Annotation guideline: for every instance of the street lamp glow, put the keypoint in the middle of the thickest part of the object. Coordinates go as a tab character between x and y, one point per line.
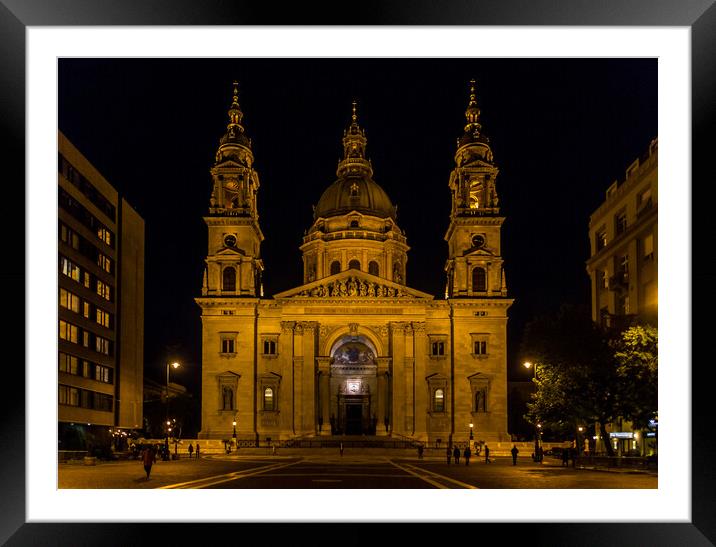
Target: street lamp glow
580	428
527	364
175	365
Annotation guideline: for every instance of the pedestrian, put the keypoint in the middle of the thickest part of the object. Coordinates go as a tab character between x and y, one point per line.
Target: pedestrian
449	454
540	454
467	454
573	455
565	457
420	451
191	450
148	458
197	451
515	451
487	454
456	454
273	449
340	448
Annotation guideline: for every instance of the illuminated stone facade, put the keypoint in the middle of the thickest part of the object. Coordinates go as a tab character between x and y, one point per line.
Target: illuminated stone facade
354	350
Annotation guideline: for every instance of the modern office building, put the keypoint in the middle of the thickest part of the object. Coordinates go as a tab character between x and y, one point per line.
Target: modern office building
354	350
623	265
101	306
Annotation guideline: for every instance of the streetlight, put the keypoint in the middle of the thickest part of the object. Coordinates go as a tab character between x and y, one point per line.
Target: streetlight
166	440
471	437
532	366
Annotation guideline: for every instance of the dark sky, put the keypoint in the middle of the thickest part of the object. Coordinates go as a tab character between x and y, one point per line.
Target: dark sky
561	131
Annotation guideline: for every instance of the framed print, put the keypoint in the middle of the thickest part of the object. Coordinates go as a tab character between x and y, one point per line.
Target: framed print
146	65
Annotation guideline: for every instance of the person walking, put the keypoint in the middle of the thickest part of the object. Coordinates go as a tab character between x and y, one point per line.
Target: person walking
514	451
148	458
449	454
467	454
197	451
420	451
340	448
456	454
565	457
487	454
191	450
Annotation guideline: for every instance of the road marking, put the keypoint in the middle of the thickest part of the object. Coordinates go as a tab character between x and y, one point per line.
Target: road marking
410	468
429	481
218	479
326	480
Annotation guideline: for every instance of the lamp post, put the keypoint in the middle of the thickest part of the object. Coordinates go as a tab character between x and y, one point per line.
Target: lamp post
234	435
168	429
471	436
533	366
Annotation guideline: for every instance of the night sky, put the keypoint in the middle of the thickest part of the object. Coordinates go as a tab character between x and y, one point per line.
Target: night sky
561	131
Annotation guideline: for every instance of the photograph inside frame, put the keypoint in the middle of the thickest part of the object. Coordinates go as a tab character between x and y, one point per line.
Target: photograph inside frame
357	273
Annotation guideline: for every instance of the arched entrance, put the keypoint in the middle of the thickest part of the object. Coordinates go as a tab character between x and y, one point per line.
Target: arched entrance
353	387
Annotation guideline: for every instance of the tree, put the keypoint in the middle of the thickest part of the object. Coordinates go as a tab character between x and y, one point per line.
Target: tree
576	376
637	361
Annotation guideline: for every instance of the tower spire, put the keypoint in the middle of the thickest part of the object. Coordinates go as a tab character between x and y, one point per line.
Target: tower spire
472	114
235	114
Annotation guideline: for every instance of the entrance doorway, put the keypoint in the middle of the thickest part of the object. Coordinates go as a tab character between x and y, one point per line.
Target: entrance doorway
354	419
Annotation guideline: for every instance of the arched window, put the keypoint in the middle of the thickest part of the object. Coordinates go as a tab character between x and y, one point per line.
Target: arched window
229	279
354	264
269	399
373	268
479	280
439	400
398	272
227	398
335	267
354	224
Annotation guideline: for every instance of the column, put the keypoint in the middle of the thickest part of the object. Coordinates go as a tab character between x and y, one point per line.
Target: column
383	395
285	397
421	394
308	379
409	379
324	395
398	394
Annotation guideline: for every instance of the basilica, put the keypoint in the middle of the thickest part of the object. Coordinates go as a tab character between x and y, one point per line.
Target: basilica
354	350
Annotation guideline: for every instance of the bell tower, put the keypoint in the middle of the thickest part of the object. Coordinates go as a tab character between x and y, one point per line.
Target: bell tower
474	267
233	263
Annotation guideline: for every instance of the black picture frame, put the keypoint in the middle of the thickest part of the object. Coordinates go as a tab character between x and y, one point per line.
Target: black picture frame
17	15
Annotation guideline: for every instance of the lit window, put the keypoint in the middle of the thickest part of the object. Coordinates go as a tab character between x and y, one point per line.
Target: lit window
69	300
103	290
648	245
601	239
438	400
68	363
103	317
104	262
69	269
102	345
268	399
68	331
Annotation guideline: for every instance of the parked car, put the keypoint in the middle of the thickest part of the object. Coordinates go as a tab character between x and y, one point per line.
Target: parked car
555	452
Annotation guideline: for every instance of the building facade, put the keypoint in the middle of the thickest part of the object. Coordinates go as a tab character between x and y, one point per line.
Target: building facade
623	267
101	305
354	350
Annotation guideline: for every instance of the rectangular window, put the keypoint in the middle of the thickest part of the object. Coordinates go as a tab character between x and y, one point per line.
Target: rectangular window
269	347
69	237
103	317
623	305
104	262
86	280
86	369
69	268
437	348
601	239
643	201
620	222
86	309
481	347
103	290
102	374
68	395
69	300
85	399
85	338
602	279
68	331
227	345
68	363
648	247
102	345
105	235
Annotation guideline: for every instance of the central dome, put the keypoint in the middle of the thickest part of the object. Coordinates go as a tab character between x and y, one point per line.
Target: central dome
355	194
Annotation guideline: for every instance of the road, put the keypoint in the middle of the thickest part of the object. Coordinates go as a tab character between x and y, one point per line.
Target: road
350	471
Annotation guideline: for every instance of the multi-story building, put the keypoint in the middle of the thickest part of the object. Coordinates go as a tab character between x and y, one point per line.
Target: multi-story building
623	263
101	305
354	350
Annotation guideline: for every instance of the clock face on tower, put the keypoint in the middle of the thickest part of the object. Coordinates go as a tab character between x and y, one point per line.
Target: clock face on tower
230	240
478	241
353	387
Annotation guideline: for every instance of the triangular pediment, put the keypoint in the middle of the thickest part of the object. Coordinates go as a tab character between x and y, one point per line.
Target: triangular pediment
479	252
354	284
231	251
